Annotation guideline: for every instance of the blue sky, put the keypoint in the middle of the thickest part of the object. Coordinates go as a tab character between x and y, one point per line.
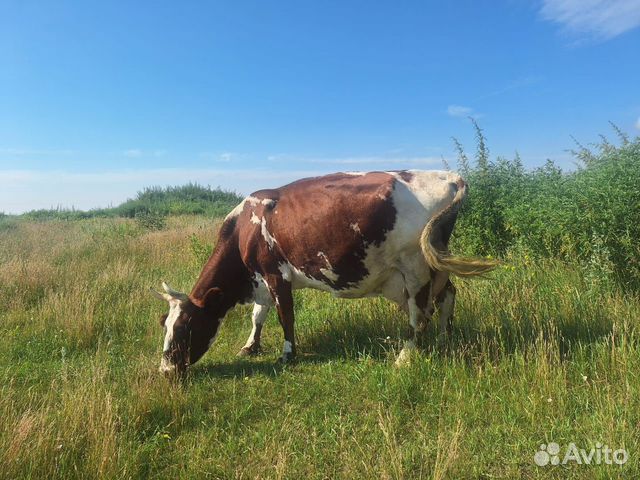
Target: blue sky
99	99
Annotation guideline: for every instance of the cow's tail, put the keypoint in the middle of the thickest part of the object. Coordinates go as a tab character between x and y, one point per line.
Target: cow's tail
442	260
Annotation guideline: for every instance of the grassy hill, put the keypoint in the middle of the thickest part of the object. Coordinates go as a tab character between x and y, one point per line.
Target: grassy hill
189	199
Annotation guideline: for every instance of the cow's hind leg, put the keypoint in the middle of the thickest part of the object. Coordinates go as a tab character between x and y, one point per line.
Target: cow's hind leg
417	319
258	317
446	302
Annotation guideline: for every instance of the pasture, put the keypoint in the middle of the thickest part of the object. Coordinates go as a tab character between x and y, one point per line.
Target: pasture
540	353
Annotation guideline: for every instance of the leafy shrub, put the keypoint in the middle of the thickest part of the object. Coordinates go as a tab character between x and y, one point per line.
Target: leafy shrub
201	250
7	222
188	199
150	220
591	215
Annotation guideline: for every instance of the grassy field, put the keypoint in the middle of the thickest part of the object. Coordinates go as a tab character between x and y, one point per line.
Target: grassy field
540	353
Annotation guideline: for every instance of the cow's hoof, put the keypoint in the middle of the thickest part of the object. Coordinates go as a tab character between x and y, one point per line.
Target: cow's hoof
443	343
285	359
405	357
250	351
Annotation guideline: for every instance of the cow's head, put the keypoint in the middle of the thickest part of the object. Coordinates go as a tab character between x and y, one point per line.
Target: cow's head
190	327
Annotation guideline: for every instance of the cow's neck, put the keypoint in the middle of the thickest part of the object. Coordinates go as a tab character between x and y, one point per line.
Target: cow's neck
226	271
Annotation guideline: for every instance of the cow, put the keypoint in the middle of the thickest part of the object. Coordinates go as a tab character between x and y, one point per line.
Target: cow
350	234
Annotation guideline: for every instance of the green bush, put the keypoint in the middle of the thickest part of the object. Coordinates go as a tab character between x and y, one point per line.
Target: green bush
190	199
150	220
591	215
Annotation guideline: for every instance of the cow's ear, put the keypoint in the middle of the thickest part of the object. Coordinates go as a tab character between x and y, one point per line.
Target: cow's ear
213	295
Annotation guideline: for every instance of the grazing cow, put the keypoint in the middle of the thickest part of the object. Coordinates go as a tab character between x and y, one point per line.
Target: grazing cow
350	234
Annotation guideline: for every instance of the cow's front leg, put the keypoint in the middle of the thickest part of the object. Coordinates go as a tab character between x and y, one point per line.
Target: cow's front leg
283	299
258	317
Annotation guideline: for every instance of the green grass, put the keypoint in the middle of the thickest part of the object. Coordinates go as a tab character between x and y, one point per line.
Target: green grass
540	353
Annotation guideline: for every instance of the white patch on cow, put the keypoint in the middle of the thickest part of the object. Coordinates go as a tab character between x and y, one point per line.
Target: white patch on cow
431	190
328	272
236	211
266	235
172	317
254	218
253	201
324	257
287	347
394	289
174	313
356	228
261	293
356	174
382	196
299	279
258	316
285	271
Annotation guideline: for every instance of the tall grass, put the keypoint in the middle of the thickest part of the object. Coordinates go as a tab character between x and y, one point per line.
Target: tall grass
540	353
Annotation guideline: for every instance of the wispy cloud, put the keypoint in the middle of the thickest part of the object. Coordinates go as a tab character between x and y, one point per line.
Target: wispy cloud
224	157
518	83
597	19
34	151
133	153
458	111
138	153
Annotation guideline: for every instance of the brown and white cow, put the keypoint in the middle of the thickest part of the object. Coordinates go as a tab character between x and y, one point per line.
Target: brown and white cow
350	234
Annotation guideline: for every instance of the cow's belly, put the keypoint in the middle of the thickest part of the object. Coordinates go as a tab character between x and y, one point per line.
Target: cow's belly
385	280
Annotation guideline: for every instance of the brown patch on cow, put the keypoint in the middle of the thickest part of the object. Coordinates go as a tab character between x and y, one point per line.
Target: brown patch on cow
313	227
404	175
